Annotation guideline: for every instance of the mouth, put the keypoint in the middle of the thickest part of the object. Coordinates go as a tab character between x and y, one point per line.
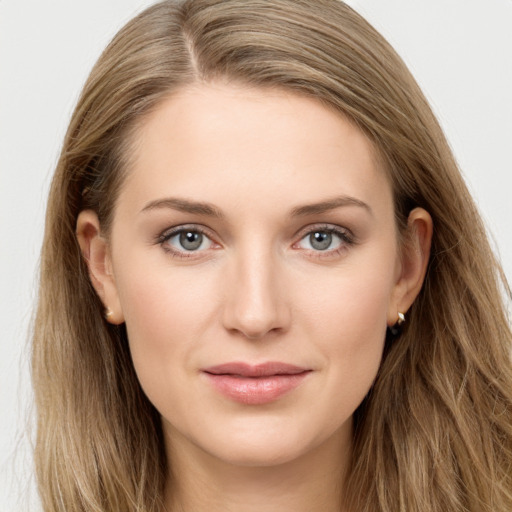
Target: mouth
255	384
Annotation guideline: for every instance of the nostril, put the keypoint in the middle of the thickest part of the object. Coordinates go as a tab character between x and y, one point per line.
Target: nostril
255	328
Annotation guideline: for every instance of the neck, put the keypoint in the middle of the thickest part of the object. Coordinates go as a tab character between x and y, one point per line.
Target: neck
311	482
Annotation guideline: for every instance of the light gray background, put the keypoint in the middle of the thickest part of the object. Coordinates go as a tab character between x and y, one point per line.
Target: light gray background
459	50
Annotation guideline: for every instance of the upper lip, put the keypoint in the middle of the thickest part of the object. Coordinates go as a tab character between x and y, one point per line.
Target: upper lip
259	370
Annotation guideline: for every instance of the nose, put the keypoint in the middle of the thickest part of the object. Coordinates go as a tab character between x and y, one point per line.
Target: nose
255	305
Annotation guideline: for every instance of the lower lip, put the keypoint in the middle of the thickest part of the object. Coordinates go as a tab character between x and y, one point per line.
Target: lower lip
256	390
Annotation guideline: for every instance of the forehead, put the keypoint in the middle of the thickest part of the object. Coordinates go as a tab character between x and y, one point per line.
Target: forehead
226	142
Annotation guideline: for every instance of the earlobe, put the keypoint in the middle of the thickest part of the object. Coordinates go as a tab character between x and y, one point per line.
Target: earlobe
415	254
95	251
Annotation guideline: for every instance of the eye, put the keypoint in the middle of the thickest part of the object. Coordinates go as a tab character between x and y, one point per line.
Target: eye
325	239
183	240
189	240
321	240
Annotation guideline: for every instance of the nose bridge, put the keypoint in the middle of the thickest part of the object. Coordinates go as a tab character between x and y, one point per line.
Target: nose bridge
255	304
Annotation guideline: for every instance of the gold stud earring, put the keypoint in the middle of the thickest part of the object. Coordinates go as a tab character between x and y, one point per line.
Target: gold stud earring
401	318
108	313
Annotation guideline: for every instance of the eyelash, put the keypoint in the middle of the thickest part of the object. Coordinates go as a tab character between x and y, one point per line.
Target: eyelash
168	234
346	237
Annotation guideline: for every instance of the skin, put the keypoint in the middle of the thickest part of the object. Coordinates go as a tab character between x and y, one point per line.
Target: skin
257	289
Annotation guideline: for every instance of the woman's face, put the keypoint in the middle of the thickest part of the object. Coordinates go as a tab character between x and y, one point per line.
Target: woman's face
254	260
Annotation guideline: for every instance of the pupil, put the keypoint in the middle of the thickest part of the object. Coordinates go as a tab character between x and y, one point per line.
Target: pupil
190	240
320	240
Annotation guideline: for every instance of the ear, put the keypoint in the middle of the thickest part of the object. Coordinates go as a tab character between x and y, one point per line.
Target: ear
95	251
414	257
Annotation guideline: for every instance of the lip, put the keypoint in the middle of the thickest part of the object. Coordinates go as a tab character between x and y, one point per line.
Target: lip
255	384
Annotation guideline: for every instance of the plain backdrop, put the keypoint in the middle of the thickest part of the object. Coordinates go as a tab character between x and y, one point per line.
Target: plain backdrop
459	50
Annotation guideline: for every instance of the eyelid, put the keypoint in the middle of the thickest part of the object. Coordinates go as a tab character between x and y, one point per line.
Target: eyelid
346	236
343	232
171	232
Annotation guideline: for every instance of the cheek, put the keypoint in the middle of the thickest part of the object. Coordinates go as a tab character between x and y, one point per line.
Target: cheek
165	313
353	302
347	320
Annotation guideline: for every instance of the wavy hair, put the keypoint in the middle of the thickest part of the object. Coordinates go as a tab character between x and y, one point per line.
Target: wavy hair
435	431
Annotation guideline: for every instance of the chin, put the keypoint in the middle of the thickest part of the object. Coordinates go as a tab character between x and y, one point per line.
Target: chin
271	453
267	444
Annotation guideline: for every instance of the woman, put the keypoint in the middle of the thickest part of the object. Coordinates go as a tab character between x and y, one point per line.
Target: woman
264	283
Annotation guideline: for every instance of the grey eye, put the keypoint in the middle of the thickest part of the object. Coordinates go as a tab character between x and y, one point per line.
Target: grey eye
320	240
323	240
190	240
187	241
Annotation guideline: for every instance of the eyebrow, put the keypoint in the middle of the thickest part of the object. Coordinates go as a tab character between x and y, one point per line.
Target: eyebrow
209	210
184	205
329	204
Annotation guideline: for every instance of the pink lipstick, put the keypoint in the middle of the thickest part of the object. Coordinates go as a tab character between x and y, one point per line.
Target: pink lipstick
255	384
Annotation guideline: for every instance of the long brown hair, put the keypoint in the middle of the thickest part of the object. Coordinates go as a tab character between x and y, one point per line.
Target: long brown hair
435	431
